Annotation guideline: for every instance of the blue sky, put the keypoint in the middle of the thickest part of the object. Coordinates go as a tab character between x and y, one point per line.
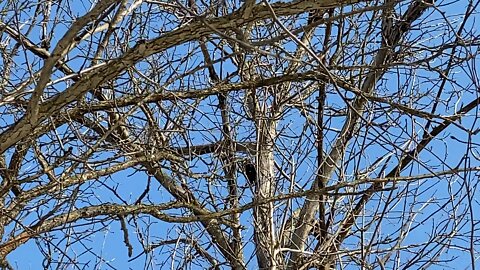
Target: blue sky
428	207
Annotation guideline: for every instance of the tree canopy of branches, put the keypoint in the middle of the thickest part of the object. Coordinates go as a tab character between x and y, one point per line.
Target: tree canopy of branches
305	134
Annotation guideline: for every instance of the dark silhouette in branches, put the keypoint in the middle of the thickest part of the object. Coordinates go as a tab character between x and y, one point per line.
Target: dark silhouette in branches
251	173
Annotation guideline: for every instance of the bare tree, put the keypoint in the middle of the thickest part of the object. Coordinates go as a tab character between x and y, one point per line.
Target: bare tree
248	134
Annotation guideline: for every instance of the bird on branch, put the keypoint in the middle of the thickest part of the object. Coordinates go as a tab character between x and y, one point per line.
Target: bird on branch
251	173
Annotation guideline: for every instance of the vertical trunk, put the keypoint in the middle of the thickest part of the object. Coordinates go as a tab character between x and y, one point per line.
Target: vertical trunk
267	251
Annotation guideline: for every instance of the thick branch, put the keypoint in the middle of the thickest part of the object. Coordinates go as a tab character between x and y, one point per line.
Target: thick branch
92	78
391	38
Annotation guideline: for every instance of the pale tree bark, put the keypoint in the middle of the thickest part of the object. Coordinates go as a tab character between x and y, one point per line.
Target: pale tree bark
391	36
263	219
249	134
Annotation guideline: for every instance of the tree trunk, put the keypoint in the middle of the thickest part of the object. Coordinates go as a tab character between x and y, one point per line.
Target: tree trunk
267	249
